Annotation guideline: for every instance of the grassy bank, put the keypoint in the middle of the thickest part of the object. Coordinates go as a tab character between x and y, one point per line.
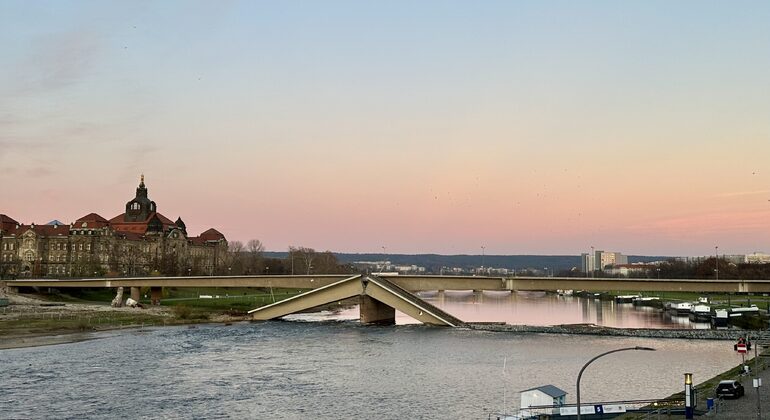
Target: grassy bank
706	389
62	323
80	310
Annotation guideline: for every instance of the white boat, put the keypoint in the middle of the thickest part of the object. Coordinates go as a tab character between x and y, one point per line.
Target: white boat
646	301
720	318
744	310
683	308
565	292
700	312
626	298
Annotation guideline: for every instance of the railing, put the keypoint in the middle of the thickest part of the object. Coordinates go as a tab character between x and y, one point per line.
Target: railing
645	408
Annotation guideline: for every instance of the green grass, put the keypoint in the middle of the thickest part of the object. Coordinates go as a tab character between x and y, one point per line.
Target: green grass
74	322
231	300
706	389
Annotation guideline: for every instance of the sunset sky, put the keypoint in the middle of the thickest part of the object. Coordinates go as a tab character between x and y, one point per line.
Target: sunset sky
526	127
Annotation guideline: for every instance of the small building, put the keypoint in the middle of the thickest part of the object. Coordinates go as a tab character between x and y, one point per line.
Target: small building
543	396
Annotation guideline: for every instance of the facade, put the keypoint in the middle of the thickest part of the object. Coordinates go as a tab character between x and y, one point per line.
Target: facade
758	258
630	269
601	260
139	241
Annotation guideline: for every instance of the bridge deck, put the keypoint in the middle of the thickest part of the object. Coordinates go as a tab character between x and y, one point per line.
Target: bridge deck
417	283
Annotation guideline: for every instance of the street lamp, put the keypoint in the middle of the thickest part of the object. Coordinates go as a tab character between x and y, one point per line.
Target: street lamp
483	248
592	360
716	261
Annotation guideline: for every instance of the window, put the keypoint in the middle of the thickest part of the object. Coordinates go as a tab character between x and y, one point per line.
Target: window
88	247
80	247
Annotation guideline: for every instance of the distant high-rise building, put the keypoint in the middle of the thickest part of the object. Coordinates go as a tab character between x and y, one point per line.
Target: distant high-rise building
600	260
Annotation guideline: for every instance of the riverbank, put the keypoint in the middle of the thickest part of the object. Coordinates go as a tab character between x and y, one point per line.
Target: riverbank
29	321
590	329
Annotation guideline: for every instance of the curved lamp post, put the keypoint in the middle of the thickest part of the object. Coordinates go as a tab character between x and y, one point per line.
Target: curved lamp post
592	360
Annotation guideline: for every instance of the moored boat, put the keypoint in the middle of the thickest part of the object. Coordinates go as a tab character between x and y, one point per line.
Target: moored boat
646	300
744	310
626	298
700	312
681	308
720	318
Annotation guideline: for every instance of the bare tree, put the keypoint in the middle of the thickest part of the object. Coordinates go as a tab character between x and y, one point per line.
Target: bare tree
235	257
302	258
254	248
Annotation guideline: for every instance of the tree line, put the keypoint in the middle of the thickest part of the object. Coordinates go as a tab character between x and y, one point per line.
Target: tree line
249	259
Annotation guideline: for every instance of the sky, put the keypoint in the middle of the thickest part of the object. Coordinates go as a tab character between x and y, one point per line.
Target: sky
524	127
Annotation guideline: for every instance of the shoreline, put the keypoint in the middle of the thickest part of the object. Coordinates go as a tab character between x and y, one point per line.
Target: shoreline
66	337
591	329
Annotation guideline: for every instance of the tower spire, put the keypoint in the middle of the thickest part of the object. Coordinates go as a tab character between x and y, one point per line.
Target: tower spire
141	182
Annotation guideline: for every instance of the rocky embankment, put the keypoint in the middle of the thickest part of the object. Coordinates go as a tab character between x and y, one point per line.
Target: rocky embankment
589	329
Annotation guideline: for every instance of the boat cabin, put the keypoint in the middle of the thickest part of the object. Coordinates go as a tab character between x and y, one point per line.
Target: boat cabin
543	395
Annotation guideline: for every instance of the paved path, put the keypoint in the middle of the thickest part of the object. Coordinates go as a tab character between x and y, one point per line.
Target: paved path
745	408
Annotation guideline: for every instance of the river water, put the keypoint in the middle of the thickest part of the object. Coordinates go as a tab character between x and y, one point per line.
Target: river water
332	370
533	308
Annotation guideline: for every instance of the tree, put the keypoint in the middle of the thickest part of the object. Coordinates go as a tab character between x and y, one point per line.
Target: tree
301	259
254	263
308	261
235	257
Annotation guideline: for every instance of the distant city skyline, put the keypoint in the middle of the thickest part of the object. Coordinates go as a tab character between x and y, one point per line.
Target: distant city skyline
430	127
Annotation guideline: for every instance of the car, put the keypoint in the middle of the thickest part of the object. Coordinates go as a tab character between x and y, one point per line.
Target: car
729	389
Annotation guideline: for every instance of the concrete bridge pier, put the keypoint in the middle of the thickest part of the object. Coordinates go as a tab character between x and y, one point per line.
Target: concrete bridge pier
155	295
136	293
372	311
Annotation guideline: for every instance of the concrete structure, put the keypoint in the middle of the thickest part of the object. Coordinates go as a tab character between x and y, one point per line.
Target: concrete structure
378	298
137	242
415	283
758	258
600	260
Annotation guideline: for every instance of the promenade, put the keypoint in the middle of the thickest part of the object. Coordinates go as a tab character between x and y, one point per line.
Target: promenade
745	408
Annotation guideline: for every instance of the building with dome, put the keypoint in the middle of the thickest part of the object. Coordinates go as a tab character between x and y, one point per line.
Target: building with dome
139	241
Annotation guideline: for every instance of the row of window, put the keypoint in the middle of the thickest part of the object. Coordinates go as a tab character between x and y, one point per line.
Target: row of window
57	269
8	246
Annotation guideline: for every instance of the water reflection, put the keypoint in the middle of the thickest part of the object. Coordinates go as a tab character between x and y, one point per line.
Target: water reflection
529	308
540	308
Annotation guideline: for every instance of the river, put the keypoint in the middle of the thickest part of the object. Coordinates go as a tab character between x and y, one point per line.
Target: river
533	308
332	370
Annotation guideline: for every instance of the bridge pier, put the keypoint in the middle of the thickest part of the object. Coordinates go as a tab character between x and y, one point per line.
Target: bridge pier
136	293
155	295
372	311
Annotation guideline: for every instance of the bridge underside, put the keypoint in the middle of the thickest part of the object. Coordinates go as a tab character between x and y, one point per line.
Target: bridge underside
379	299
